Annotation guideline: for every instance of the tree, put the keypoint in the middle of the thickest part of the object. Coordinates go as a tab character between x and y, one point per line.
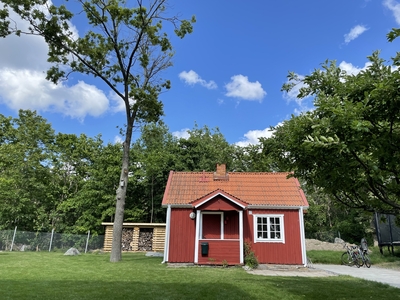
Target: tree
25	157
84	174
327	219
126	49
202	150
349	146
154	155
252	158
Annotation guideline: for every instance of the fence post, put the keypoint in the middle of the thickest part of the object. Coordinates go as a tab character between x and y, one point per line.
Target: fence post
51	239
87	240
12	243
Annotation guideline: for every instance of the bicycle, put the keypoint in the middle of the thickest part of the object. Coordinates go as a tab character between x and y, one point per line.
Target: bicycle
364	258
351	256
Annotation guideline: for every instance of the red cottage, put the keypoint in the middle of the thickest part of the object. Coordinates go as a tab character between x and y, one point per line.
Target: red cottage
211	215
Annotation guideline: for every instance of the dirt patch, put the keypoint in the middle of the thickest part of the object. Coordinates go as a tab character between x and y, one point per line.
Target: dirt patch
312	244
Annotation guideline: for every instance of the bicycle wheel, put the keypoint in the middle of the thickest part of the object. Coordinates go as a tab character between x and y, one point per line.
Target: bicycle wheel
346	259
360	259
367	261
356	261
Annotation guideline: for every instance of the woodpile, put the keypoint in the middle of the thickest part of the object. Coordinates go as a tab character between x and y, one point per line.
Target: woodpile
145	242
138	237
127	237
158	239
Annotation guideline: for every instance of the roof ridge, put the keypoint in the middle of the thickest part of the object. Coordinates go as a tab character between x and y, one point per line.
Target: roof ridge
211	172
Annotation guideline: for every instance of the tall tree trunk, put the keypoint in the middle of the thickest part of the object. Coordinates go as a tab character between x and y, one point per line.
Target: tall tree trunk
116	248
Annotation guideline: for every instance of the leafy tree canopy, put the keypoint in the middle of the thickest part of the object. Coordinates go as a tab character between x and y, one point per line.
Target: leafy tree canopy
125	46
349	145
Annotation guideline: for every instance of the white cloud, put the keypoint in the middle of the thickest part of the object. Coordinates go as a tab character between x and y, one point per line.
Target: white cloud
27	51
252	136
352	70
27	89
193	78
354	33
182	134
295	90
394	6
304	104
241	87
117	104
23	84
118	139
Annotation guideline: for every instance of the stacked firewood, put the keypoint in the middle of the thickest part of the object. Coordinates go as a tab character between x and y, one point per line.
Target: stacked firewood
145	239
127	237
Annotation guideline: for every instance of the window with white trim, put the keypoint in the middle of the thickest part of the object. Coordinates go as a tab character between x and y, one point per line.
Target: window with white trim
268	228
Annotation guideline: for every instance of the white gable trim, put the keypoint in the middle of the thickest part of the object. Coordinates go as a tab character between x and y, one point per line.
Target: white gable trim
223	195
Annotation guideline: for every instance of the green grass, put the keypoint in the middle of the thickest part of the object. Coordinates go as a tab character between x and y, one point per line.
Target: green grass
41	275
334	257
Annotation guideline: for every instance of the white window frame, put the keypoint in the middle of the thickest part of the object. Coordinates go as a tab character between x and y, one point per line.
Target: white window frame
269	240
221	222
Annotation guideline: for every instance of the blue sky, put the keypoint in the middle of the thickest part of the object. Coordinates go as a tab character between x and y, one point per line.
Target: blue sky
227	74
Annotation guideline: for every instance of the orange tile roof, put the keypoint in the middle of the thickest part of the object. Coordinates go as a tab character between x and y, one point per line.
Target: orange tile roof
263	189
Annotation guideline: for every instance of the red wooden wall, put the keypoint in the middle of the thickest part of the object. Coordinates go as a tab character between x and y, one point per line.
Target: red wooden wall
231	225
276	253
211	226
183	230
182	236
220	250
219	203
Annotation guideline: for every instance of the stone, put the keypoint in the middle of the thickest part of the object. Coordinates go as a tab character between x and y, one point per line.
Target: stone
72	251
339	241
155	254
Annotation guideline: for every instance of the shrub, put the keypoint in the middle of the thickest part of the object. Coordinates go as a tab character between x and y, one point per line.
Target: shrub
250	259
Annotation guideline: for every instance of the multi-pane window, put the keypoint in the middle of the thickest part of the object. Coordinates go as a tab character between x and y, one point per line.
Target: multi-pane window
268	228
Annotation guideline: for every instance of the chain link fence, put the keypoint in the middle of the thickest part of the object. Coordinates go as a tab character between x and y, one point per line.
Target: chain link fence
14	240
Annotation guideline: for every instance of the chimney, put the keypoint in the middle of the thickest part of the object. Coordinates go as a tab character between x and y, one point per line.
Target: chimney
221	174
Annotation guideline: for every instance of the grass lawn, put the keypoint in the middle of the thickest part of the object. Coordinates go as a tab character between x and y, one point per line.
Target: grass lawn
43	275
334	257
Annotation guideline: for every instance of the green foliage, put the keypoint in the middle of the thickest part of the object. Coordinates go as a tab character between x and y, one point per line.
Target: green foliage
124	45
250	259
51	181
327	219
153	157
87	172
203	150
25	199
348	145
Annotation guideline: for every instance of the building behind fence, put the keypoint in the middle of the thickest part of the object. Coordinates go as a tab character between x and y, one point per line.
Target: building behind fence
14	240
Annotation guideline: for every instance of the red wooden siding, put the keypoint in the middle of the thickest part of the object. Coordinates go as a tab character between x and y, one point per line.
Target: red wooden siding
219	203
211	226
220	250
275	252
182	236
231	225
